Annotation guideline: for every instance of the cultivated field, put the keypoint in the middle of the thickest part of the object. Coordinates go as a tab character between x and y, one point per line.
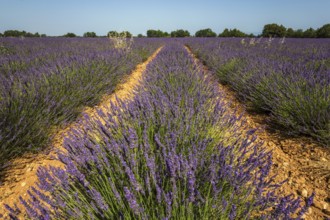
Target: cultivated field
193	128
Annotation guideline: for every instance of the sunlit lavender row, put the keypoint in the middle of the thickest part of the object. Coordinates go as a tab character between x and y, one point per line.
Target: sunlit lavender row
289	79
173	152
45	83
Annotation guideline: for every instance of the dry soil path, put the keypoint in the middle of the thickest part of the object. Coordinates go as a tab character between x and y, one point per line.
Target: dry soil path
304	163
22	174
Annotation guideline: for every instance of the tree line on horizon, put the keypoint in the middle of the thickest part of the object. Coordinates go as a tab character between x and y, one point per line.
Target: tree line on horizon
16	33
269	30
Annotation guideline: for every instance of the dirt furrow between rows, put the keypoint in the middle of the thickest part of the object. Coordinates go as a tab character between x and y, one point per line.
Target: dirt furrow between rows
302	162
22	174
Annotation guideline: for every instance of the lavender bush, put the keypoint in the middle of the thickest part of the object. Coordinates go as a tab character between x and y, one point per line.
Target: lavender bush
45	83
158	157
288	79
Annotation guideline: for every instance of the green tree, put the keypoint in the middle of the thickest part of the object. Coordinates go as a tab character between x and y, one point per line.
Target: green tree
1	35
309	33
28	34
126	33
324	31
273	30
156	33
205	33
232	33
69	34
121	34
113	34
140	35
14	33
90	34
299	33
152	33
180	33
225	33
290	32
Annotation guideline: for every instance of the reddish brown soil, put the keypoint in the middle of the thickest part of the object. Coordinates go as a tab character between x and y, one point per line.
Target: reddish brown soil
21	175
302	161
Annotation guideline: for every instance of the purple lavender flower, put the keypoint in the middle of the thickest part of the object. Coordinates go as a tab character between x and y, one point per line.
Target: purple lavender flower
191	185
132	201
97	197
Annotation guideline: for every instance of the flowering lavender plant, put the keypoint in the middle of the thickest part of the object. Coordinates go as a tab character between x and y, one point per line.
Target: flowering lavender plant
158	157
45	83
289	80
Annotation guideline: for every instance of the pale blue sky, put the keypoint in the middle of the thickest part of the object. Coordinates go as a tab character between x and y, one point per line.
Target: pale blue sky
57	17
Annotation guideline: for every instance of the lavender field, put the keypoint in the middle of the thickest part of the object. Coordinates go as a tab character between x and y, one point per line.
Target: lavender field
45	83
289	79
174	150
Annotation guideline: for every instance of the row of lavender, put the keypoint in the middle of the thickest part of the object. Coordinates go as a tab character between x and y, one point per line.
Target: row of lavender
45	83
171	153
288	79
